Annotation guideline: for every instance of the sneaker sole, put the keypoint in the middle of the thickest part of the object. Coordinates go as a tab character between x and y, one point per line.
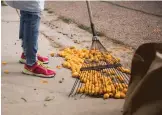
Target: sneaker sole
45	62
23	61
39	75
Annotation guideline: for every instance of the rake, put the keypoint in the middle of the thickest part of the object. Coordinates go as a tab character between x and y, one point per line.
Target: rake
110	65
96	44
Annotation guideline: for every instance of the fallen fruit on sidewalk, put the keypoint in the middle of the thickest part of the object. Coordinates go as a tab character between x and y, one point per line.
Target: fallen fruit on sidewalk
125	90
96	84
6	71
4	63
106	83
58	67
122	95
75	74
77	57
110	94
52	54
106	96
66	64
117	95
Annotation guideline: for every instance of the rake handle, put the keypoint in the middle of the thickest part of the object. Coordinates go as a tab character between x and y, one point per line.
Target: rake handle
90	18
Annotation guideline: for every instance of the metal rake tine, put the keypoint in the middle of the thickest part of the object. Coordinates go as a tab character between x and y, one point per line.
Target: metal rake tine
79	85
92	78
100	46
118	74
115	59
72	90
114	77
123	75
82	95
113	80
118	81
104	83
93	43
74	86
97	47
106	75
113	69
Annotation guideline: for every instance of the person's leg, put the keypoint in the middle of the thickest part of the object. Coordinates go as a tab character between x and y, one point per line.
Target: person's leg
30	36
30	40
21	26
21	30
42	59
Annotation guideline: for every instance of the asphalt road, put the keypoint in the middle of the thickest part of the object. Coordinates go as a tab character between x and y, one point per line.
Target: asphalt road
131	23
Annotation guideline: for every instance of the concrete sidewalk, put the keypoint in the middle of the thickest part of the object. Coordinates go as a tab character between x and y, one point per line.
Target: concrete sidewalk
26	95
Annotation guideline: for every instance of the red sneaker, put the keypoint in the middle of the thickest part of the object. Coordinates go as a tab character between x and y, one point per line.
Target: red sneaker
42	59
39	70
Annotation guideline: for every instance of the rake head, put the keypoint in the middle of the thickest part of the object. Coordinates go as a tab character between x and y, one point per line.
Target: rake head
96	44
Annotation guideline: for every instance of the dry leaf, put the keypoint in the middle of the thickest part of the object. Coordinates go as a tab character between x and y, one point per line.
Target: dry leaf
60	81
24	99
75	41
45	105
44	81
49	98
